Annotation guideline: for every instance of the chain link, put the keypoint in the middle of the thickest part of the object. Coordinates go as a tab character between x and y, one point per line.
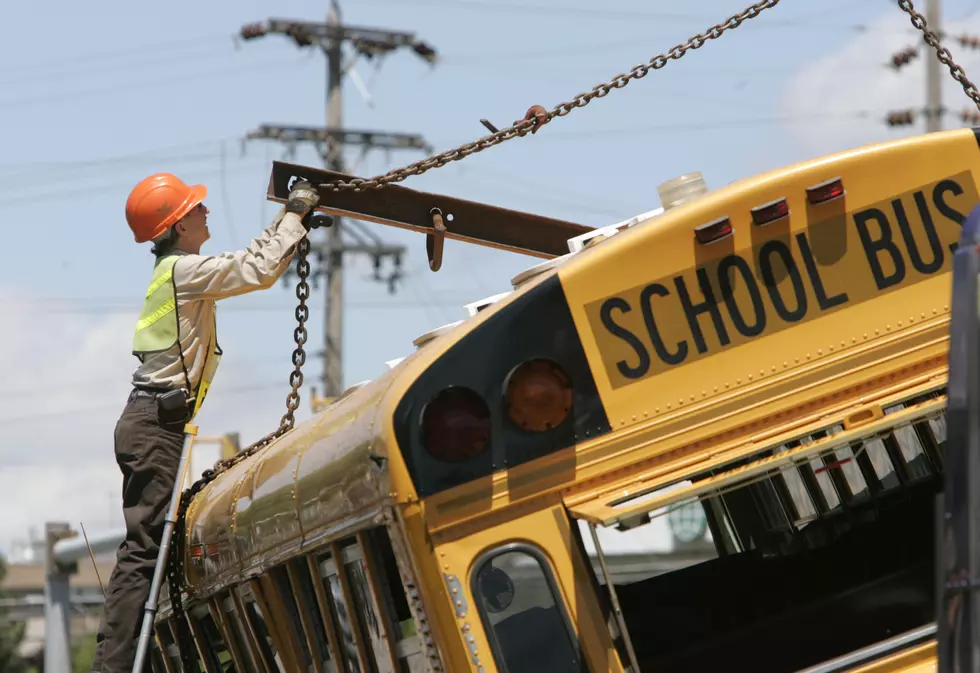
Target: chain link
524	127
941	52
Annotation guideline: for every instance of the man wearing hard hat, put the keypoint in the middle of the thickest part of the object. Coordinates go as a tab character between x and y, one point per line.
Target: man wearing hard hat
176	344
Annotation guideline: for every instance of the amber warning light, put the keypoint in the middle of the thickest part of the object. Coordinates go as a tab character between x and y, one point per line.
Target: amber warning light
538	395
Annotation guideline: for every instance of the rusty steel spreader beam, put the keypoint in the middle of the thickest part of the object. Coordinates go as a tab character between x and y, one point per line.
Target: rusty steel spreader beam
406	208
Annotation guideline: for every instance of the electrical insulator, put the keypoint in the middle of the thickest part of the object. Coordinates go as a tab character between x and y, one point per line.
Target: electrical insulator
252	30
969	41
900	118
903	57
425	51
970	117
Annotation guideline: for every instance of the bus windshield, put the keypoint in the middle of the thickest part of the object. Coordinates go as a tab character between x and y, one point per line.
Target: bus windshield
829	553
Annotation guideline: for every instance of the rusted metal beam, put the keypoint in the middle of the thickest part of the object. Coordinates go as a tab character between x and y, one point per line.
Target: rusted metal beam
406	208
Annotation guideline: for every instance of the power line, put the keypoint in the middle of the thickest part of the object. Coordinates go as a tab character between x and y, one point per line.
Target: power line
114	309
144	84
608	13
225	392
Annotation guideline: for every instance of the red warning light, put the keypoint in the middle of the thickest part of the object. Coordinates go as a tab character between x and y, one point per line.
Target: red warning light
825	191
770	212
713	231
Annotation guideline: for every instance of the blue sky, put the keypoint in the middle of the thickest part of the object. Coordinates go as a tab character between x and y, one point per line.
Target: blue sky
96	99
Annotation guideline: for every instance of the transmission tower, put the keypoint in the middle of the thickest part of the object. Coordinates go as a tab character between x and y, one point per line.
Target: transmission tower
331	37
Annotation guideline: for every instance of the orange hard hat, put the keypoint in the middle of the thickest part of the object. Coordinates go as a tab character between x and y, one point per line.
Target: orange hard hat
158	202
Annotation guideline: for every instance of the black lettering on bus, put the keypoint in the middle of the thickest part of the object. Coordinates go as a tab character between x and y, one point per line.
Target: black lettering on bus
873	247
728	293
709	306
646	305
938	194
813	271
781	250
915	255
605	314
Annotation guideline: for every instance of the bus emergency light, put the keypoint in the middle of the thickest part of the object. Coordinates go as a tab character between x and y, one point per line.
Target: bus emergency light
770	212
713	231
825	191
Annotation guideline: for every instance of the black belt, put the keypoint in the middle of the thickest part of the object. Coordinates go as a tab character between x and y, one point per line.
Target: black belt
152	393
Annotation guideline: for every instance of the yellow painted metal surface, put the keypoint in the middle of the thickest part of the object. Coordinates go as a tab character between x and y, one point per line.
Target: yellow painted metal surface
323	478
623	501
547	531
919	659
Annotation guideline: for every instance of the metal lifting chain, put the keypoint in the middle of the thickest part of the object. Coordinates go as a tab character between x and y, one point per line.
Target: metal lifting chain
175	562
942	52
522	128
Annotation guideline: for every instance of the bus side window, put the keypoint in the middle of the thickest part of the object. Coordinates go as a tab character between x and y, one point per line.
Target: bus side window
393	601
366	601
257	623
320	636
169	645
336	605
237	630
282	604
210	644
521	608
157	662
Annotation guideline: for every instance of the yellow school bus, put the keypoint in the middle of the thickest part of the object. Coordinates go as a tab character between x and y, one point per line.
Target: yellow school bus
771	355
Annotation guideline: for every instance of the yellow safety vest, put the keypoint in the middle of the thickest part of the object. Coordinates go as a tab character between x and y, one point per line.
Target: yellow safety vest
158	328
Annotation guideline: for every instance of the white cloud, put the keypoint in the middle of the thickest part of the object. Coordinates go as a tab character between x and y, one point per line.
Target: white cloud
856	78
65	381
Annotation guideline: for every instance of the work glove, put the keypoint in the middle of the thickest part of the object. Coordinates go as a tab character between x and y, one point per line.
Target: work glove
302	199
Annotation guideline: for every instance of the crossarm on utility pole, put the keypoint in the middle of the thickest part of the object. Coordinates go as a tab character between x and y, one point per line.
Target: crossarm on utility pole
468	221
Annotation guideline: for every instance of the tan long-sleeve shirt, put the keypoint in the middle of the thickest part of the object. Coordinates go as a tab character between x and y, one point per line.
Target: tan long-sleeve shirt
200	280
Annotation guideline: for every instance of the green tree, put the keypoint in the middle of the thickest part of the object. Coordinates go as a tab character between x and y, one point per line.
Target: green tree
11	635
83	651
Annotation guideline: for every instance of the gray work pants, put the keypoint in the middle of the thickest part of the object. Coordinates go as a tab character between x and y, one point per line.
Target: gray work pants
148	443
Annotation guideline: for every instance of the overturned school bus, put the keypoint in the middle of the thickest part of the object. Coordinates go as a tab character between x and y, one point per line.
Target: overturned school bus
773	352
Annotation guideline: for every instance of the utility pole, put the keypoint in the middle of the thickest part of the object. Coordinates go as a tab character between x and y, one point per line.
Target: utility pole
330	37
333	375
934	89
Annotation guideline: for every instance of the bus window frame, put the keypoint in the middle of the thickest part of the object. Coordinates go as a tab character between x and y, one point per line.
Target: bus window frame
250	656
322	602
215	605
399	648
158	662
248	592
360	551
238	594
409	574
292	567
327	567
206	656
557	594
170	657
281	628
167	665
